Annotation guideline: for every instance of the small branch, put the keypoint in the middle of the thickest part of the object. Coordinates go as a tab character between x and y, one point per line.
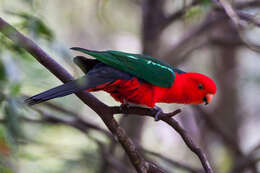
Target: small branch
76	117
167	118
189	142
229	11
235	18
147	111
173	162
248	17
213	124
247	4
245	163
188	38
142	111
178	14
255	149
206	26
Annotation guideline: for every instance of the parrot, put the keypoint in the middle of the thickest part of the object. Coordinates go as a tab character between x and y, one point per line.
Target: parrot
133	79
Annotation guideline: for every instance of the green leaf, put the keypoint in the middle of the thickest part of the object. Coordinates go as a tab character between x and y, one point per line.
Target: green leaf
193	12
15	89
4	169
34	25
206	3
2	71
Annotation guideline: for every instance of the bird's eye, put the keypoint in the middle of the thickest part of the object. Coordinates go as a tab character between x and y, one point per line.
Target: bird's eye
200	86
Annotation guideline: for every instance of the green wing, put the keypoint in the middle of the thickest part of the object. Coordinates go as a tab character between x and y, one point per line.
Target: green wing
144	67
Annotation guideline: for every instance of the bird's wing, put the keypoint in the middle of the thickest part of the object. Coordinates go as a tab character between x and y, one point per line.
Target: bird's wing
144	67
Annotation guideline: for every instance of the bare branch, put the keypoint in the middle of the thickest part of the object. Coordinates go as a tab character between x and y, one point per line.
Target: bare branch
92	126
230	11
178	14
247	4
173	162
142	111
167	118
100	108
175	54
249	17
213	124
244	164
234	16
178	53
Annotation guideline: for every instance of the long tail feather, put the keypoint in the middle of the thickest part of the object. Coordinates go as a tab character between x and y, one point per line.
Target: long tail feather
100	74
59	91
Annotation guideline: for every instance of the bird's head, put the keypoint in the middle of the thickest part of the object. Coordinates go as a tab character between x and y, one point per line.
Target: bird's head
198	88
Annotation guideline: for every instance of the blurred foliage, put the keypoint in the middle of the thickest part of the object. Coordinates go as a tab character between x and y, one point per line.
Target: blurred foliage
33	25
12	59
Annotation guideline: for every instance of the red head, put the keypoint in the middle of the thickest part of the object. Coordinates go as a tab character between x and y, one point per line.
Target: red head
191	88
201	88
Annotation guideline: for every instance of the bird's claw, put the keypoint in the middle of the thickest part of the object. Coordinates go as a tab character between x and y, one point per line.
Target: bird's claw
124	106
157	116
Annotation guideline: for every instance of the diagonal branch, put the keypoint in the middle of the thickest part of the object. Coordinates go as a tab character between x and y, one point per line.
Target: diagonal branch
94	127
213	124
235	18
167	118
177	15
106	113
100	108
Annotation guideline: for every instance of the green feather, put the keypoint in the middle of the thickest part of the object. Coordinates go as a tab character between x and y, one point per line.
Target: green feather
144	67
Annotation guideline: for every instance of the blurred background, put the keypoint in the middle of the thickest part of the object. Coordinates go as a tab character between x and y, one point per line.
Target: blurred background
192	35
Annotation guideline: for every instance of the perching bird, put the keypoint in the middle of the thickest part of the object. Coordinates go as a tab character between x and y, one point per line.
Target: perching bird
133	78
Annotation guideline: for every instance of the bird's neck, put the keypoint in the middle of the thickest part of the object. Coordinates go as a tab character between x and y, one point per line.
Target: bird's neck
176	93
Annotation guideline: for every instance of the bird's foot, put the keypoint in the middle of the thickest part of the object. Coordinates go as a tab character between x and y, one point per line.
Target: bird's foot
157	116
124	106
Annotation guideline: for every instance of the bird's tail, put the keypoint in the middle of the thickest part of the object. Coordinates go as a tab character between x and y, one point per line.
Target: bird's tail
59	91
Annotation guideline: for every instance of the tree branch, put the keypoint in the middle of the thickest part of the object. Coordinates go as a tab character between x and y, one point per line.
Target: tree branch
167	118
143	111
100	108
235	18
177	15
213	124
213	19
105	112
178	164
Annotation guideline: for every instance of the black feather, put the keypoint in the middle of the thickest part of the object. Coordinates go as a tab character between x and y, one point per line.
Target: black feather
97	75
85	64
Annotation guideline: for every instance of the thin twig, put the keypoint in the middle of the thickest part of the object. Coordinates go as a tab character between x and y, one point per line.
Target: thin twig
235	18
244	164
167	117
178	14
213	124
229	11
173	162
117	109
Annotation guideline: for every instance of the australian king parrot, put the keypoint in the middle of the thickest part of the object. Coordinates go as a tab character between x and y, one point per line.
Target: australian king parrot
133	78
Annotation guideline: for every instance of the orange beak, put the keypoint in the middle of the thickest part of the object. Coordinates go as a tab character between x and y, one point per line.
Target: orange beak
207	99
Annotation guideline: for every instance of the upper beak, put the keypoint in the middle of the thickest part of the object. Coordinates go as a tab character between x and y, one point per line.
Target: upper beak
207	99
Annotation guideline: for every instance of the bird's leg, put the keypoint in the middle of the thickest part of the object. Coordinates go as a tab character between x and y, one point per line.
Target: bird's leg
159	111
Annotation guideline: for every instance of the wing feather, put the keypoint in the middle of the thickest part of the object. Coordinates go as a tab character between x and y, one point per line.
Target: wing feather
144	67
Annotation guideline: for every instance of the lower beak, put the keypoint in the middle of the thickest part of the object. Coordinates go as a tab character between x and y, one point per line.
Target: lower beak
207	99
